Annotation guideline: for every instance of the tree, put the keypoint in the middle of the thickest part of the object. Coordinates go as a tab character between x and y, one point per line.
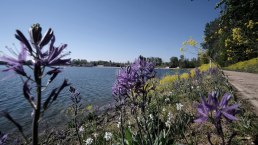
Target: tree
156	60
174	62
233	36
203	58
182	62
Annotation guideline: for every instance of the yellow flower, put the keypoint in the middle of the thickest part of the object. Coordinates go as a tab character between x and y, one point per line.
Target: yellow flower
184	76
169	79
190	42
236	34
229	58
220	31
250	24
227	41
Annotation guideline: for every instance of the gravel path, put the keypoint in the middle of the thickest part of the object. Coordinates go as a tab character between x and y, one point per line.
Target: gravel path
246	84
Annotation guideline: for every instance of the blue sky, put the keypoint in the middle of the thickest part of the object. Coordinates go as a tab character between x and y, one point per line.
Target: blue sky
117	30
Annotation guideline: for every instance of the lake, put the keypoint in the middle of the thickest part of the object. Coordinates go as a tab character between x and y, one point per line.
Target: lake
93	83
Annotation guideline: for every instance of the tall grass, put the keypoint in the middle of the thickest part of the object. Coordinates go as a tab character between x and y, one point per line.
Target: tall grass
245	66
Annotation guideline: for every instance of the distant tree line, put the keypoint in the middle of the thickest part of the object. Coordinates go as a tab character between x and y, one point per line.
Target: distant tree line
182	62
85	63
174	62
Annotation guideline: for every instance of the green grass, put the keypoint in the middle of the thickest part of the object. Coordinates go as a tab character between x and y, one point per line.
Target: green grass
245	66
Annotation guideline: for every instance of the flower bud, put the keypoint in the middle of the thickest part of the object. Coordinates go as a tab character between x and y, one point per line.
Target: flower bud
35	33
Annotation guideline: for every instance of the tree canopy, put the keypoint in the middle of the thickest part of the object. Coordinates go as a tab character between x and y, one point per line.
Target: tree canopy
233	37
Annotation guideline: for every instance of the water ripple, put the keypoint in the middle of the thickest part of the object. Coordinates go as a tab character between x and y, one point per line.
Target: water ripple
93	83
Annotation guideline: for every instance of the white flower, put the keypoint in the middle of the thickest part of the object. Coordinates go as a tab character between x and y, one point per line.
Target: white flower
192	87
164	109
170	116
129	124
81	129
151	116
168	123
179	106
139	118
89	141
108	136
167	100
95	135
118	124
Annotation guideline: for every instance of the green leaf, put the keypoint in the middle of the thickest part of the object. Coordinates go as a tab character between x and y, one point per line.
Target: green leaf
128	136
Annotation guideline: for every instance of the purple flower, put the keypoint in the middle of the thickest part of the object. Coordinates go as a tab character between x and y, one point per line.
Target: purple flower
203	110
197	73
16	64
223	109
133	77
189	74
40	57
52	56
126	80
117	89
143	68
220	107
213	70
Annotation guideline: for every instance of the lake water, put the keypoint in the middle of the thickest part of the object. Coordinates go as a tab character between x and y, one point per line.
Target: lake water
94	84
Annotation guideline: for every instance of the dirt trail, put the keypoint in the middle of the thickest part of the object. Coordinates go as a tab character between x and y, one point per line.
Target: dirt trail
246	84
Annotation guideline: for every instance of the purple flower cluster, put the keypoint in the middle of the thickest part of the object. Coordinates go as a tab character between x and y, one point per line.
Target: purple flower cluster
220	108
133	77
52	56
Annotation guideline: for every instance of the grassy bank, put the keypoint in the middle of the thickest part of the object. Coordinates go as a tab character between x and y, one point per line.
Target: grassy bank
169	115
245	66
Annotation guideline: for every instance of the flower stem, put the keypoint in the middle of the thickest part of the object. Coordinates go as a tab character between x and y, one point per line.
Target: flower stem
145	119
75	122
122	126
37	75
139	127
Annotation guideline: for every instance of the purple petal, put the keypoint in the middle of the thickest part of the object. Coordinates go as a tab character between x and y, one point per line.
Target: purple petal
202	112
218	114
232	107
22	54
224	100
201	119
229	116
26	90
46	38
60	62
215	100
23	39
9	60
209	98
